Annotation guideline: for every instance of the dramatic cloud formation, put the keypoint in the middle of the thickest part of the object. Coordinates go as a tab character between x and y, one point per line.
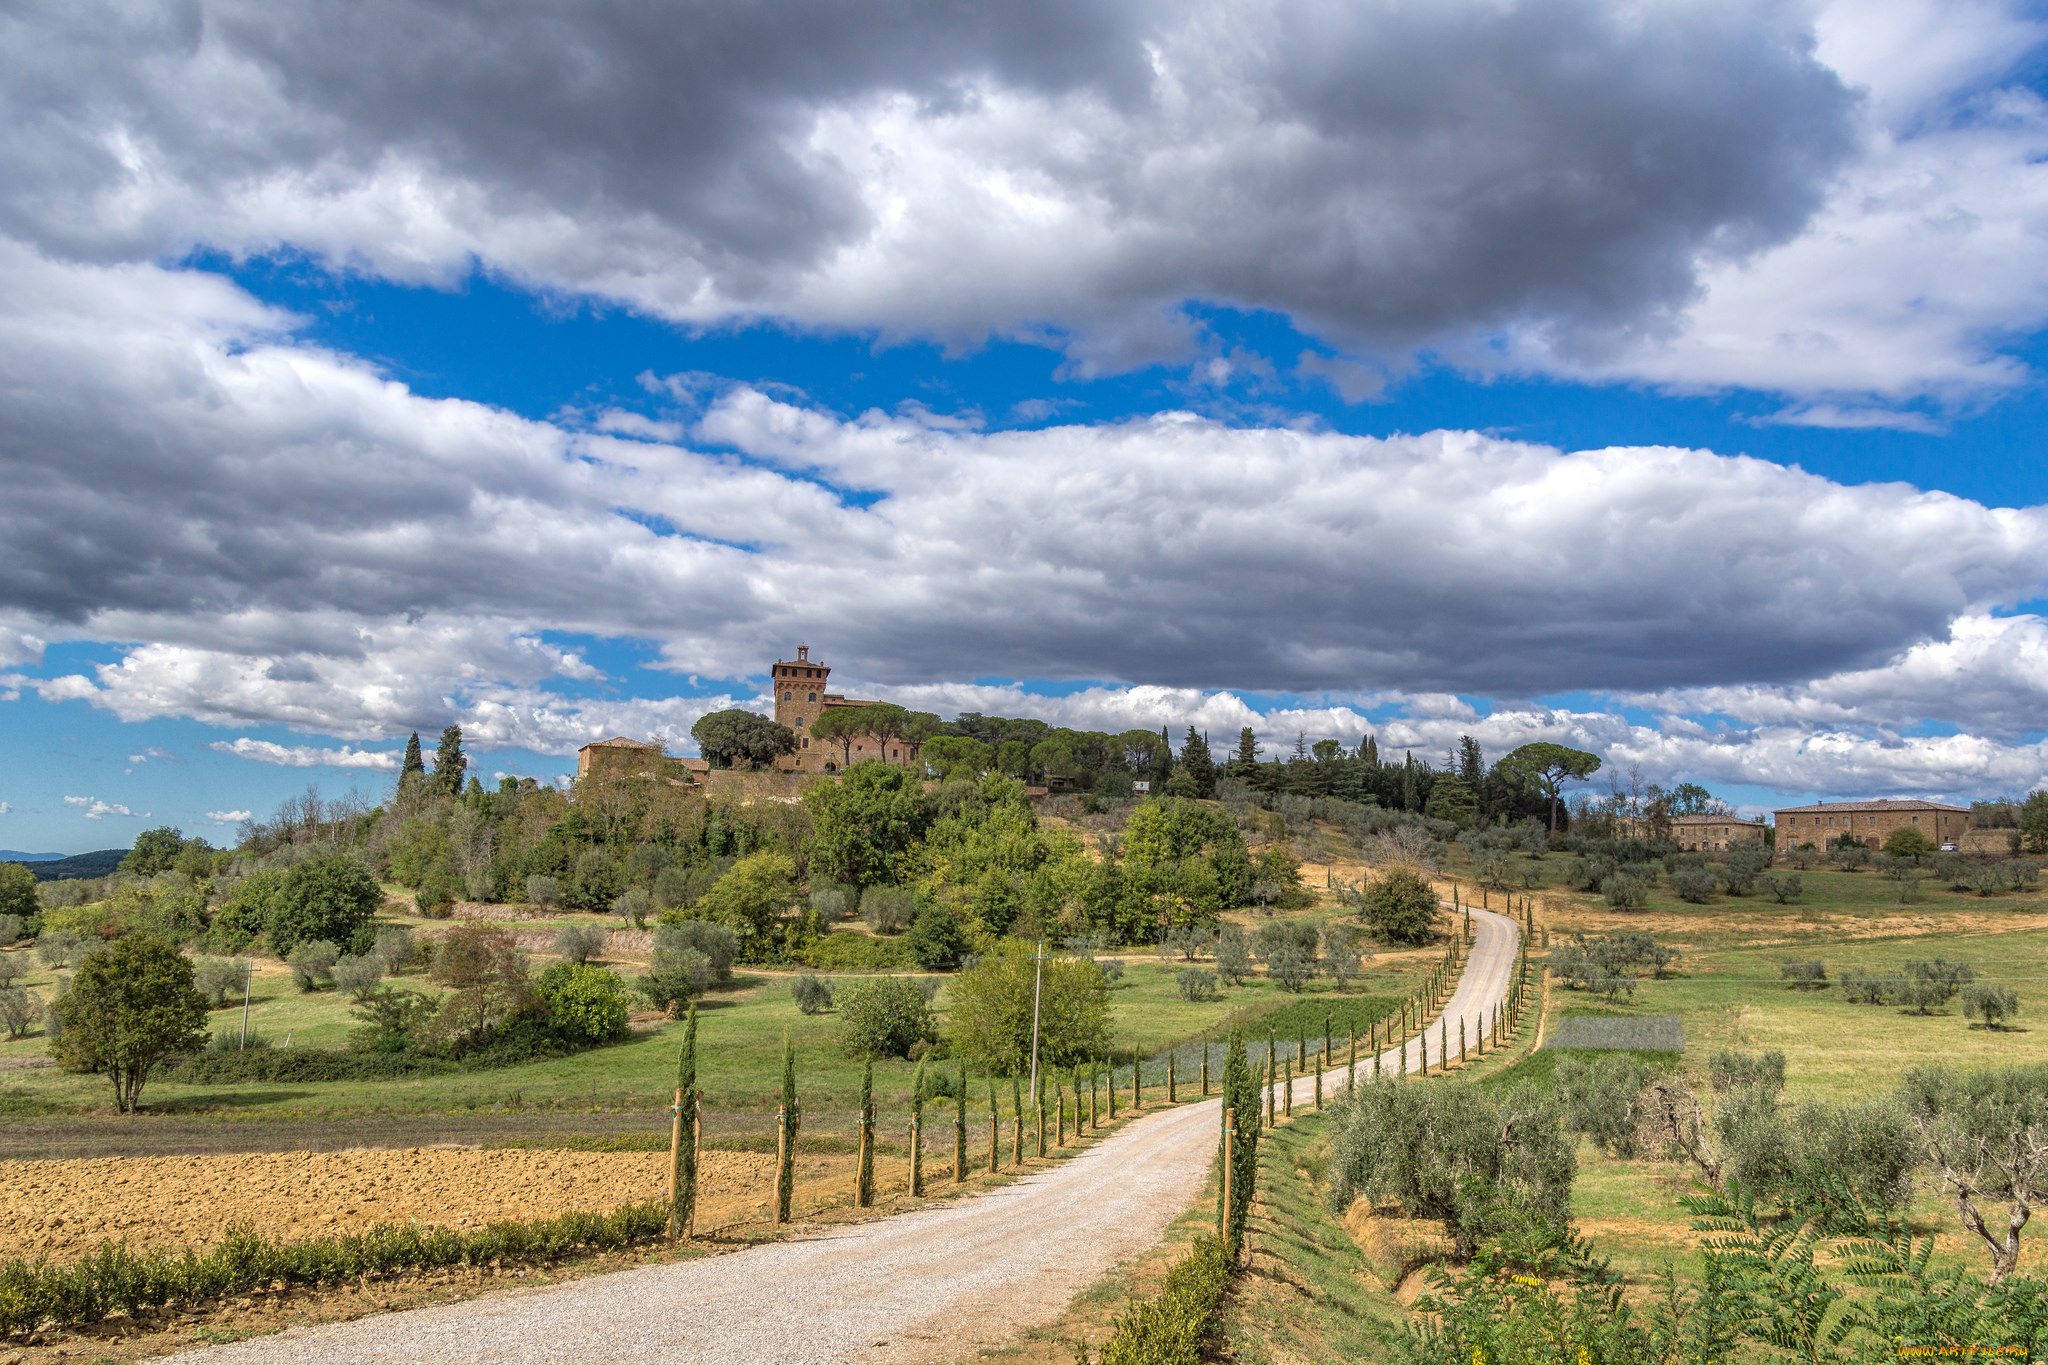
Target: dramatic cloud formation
1565	184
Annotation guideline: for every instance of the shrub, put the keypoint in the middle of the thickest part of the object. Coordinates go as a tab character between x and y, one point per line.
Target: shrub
215	977
1169	1329
883	1016
131	1006
544	891
329	897
635	903
1740	869
679	887
989	1020
489	987
586	1005
1809	975
937	939
58	948
312	963
1930	984
1693	884
595	883
1277	936
888	909
855	952
395	945
10	929
1233	955
392	1021
1625	892
834	901
1291	967
13	967
1784	889
1861	989
20	1010
1480	1160
749	900
1599	1095
356	976
689	958
579	943
1196	985
1401	906
813	993
1993	1004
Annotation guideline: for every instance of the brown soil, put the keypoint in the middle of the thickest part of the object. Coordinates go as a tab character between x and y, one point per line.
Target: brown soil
63	1209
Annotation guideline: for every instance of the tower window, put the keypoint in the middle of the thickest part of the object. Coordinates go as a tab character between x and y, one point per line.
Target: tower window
799	722
810	696
807	741
789	696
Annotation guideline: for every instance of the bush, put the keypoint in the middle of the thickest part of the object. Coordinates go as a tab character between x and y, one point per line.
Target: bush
544	891
813	993
356	976
883	1016
1196	985
1478	1159
489	987
989	1019
1625	892
636	903
937	939
1401	907
1993	1004
10	929
13	967
1861	989
1785	889
59	948
1693	884
21	1009
1740	869
586	1005
1233	955
1808	975
1291	967
689	958
329	897
216	977
1599	1095
131	1006
579	943
392	1021
312	963
750	899
1931	984
888	909
855	952
1169	1329
395	946
834	901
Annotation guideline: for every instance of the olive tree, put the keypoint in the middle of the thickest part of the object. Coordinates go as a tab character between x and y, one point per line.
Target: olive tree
131	1005
1986	1135
883	1016
991	1008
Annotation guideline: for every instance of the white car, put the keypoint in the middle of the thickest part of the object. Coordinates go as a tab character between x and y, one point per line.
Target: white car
1948	848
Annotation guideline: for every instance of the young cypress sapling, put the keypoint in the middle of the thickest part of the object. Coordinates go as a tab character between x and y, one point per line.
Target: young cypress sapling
785	1164
994	1131
960	1126
864	1173
683	1168
917	1132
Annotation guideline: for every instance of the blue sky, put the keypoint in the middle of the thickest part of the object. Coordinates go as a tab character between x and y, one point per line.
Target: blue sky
1680	400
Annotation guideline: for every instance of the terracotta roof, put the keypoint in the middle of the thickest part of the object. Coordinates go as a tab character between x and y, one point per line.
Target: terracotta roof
1714	820
620	742
1870	807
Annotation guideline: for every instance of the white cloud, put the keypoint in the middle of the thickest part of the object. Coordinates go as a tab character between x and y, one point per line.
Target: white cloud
92	808
227	817
307	756
5	808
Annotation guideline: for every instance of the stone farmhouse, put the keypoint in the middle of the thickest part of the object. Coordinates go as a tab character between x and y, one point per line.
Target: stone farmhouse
1715	833
1824	824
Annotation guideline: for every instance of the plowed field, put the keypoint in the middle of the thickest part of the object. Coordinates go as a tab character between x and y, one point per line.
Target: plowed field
64	1208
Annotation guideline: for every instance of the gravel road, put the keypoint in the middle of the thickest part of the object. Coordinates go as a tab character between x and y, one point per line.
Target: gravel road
928	1286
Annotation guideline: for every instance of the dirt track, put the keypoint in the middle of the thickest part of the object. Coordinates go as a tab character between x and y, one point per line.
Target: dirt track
934	1285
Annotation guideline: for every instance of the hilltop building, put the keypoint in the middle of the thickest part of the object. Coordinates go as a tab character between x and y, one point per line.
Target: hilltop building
800	698
1697	833
1824	823
622	757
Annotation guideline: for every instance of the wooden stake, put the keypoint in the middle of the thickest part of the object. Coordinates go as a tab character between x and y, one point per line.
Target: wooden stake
675	1161
1172	1087
1229	1152
781	1151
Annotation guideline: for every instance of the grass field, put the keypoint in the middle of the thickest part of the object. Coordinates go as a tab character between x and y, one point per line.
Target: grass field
741	1030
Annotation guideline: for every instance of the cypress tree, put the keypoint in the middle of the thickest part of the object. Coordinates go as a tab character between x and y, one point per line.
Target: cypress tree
960	1126
414	764
1287	1087
1323	1060
791	1121
1016	1120
995	1145
1172	1081
1040	1101
864	1174
1137	1079
450	761
684	1176
1272	1059
1094	1078
1240	1093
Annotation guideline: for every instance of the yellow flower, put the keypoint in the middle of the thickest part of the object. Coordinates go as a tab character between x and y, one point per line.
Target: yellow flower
1585	1356
1478	1356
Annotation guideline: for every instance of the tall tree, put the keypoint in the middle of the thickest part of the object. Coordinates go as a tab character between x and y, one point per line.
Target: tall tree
1246	759
414	765
1471	763
1547	767
684	1177
1194	757
731	737
131	1005
450	762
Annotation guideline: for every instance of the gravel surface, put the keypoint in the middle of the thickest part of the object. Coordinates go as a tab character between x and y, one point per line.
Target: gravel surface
928	1286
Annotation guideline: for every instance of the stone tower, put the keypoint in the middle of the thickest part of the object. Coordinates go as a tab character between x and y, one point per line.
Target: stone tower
799	701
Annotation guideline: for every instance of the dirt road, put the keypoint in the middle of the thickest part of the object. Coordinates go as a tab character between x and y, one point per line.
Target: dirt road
933	1285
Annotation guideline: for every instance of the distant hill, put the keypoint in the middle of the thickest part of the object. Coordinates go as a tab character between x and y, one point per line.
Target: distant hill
12	855
97	864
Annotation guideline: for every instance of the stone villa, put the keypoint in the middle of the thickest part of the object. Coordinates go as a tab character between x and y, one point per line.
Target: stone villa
800	698
1824	824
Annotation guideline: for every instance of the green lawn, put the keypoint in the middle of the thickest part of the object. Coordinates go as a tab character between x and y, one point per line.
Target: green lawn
741	1031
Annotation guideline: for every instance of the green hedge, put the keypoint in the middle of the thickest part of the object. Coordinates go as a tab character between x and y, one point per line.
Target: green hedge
852	951
304	1064
114	1279
1169	1329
